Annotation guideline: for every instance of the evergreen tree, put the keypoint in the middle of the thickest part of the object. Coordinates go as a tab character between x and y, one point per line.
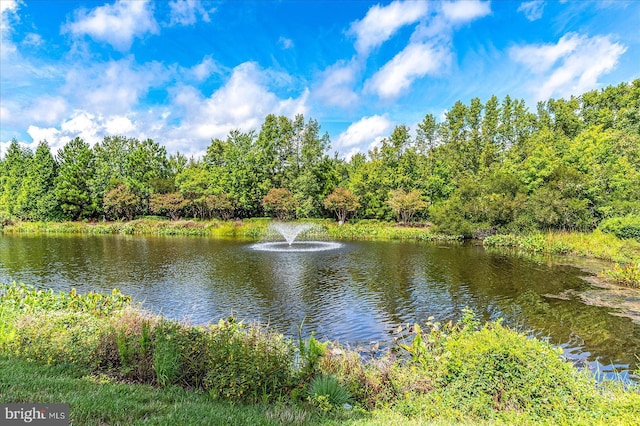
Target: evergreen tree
73	182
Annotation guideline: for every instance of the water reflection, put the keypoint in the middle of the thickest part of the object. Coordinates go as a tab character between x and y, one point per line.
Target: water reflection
356	293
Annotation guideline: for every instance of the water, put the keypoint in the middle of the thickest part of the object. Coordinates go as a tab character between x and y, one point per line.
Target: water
355	292
289	231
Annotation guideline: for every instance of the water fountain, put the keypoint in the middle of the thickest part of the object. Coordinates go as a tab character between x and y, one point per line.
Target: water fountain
290	231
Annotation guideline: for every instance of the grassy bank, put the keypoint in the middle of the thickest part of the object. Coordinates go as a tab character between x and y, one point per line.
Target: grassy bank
250	229
624	254
117	365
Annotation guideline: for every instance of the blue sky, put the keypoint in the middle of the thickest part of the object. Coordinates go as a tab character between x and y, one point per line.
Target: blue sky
185	71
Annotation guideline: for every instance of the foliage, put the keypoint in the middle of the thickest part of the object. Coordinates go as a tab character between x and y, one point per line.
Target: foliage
342	202
327	393
73	181
406	204
247	363
487	167
120	203
281	202
180	355
628	275
482	371
28	299
310	353
464	372
167	204
622	227
595	244
222	204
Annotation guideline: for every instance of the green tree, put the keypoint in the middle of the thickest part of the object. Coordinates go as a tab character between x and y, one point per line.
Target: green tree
170	204
223	205
121	202
73	181
147	170
13	170
194	183
36	199
406	204
280	202
110	162
342	202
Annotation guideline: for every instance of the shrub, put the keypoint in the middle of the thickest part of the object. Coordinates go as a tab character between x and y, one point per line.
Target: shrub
248	363
58	337
180	354
342	202
370	383
406	204
134	348
622	227
495	369
311	352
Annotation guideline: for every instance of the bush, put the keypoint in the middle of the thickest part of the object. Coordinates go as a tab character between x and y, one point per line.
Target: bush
180	354
498	369
248	363
5	220
622	227
58	337
483	371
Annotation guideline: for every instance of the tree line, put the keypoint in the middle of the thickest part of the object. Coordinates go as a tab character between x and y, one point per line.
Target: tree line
492	166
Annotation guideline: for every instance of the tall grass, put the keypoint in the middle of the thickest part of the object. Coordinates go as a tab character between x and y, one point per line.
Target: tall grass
623	253
597	244
145	226
249	228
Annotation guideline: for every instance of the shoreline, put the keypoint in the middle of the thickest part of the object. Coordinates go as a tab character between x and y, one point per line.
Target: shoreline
438	372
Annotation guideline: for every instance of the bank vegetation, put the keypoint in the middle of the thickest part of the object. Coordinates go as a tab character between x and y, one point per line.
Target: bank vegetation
139	367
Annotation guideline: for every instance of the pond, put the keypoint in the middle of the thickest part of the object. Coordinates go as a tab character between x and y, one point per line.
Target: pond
353	292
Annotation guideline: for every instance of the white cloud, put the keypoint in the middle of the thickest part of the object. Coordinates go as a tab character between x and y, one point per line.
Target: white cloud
463	11
185	12
571	66
364	132
415	61
336	84
533	10
119	125
117	24
285	43
242	103
33	39
541	57
380	23
114	87
50	134
92	128
47	110
204	69
8	12
8	5
430	49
